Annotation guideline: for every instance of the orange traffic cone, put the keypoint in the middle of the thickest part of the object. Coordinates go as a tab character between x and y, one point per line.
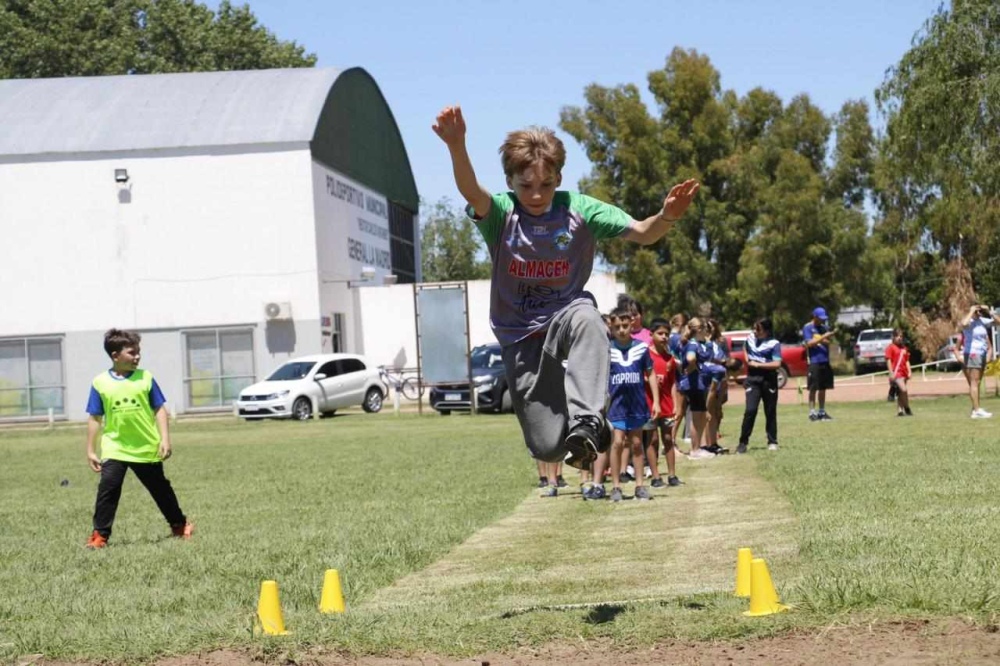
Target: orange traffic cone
763	597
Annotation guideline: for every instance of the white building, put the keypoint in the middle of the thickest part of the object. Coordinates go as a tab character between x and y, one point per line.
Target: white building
220	214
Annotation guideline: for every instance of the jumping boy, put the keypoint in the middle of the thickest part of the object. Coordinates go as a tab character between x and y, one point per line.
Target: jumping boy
135	437
542	243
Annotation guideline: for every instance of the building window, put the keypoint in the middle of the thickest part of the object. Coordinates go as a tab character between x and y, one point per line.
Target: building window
338	333
31	377
219	364
402	241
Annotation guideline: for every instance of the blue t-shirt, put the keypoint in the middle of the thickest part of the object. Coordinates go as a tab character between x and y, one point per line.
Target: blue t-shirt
95	406
693	380
714	369
819	353
766	350
627	381
976	336
674	344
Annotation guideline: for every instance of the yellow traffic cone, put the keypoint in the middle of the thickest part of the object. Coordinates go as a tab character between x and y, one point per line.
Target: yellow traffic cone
743	558
269	610
763	597
332	599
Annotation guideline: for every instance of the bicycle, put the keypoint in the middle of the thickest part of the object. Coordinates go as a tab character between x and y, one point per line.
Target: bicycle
404	380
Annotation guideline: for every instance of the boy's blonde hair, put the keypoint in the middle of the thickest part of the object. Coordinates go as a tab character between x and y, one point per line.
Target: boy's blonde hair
524	148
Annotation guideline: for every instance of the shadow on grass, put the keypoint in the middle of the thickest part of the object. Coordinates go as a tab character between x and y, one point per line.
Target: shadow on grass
604	614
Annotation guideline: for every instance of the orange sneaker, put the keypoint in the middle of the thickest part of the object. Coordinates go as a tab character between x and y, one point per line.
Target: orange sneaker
182	531
96	541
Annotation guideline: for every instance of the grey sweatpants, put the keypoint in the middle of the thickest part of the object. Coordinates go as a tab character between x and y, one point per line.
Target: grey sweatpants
546	396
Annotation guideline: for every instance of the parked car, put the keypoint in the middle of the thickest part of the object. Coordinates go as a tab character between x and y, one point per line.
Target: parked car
487	375
869	350
325	382
793	357
946	357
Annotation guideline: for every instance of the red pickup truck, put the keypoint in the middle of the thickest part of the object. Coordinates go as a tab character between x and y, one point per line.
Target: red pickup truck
793	357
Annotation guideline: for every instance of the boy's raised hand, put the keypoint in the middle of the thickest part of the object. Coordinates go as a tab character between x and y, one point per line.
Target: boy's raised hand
450	125
679	198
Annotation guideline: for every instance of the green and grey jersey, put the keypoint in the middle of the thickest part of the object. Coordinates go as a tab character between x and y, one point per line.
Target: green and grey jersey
541	263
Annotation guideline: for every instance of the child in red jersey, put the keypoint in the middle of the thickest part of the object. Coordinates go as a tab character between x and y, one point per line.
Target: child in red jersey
665	369
897	357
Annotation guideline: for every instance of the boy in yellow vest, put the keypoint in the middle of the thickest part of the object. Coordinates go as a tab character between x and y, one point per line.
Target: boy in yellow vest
135	435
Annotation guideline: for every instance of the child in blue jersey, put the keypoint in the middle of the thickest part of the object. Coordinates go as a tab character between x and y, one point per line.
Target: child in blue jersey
678	324
135	436
819	380
761	384
695	354
715	379
977	351
542	244
630	371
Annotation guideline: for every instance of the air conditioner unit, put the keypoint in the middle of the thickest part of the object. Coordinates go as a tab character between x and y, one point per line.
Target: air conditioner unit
278	310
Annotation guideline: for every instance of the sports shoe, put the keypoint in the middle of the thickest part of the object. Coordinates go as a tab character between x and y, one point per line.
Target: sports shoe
701	454
900	412
583	440
742	448
647	473
630	471
616	495
823	416
543	481
773	446
96	541
642	493
813	416
673	481
549	491
595	493
909	412
716	449
657	483
981	414
625	477
182	531
561	482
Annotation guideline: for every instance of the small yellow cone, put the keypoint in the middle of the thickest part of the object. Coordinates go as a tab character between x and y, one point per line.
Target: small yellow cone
743	558
272	622
332	599
763	597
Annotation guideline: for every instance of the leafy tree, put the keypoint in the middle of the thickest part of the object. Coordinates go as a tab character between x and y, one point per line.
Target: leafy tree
52	38
938	175
776	228
451	247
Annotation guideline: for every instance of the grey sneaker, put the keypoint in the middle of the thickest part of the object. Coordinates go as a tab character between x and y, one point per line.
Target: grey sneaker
742	448
642	493
616	495
673	481
549	491
595	492
658	482
773	446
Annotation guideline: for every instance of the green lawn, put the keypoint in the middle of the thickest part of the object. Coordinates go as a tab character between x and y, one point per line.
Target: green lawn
443	545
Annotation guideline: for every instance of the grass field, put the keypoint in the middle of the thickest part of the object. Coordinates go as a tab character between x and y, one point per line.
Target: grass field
443	545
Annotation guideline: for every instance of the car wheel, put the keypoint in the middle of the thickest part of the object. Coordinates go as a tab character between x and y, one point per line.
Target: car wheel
302	409
373	401
782	377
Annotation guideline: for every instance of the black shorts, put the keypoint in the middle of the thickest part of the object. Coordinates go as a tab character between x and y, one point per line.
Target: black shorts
820	377
696	400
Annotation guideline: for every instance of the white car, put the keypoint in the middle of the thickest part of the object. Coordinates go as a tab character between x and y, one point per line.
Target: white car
323	383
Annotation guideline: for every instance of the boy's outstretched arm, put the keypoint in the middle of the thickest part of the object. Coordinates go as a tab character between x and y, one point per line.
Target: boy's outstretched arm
654	227
450	127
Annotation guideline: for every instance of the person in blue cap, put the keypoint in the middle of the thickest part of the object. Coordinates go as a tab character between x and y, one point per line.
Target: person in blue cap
820	378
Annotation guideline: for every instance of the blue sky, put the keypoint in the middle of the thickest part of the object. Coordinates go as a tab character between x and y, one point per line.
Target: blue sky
519	62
